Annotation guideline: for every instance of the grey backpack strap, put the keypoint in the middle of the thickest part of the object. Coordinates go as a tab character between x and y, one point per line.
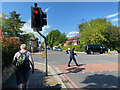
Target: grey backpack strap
25	52
20	53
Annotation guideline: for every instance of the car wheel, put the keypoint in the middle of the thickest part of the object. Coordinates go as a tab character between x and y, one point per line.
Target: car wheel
90	51
101	52
106	52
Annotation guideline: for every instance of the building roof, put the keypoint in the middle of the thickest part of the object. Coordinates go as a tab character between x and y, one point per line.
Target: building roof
75	37
32	38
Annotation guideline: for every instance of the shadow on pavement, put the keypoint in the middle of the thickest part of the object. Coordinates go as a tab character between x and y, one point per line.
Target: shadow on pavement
101	81
38	80
73	69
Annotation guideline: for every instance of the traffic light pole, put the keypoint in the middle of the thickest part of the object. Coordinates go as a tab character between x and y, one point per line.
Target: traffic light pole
45	52
38	20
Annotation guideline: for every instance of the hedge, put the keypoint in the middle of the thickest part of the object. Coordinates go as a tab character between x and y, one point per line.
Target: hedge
9	47
79	48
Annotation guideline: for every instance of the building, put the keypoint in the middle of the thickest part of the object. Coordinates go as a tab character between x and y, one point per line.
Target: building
73	40
32	44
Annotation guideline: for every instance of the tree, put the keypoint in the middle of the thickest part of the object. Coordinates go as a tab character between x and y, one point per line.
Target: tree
53	37
62	38
56	43
11	25
112	37
27	36
2	18
99	31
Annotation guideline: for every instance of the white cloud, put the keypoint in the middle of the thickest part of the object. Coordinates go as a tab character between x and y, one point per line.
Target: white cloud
67	36
44	29
27	29
116	19
75	32
112	15
46	10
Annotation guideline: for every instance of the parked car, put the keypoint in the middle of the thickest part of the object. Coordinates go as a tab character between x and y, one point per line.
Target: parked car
55	48
59	49
48	48
118	50
96	48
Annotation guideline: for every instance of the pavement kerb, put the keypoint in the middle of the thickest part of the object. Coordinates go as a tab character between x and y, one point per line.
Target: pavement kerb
36	53
111	53
54	75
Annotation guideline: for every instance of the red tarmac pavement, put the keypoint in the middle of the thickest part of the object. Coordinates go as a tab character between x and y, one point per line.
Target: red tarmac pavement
89	68
85	68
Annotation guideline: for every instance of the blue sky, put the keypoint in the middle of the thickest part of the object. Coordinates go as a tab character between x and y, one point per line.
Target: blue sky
64	16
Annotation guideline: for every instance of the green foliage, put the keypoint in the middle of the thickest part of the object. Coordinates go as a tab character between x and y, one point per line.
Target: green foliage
62	39
41	46
79	48
9	47
11	25
56	38
27	36
2	19
112	37
99	31
43	42
56	43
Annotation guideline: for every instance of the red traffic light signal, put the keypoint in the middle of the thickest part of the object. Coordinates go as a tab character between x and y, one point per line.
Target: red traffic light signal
36	18
36	11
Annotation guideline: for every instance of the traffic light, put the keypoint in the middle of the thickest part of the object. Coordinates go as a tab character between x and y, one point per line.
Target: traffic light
44	21
36	18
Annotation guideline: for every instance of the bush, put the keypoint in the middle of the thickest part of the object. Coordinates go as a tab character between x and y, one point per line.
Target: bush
9	47
79	48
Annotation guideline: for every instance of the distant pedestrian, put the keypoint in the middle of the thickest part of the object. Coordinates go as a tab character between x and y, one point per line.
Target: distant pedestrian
22	61
66	51
69	50
72	57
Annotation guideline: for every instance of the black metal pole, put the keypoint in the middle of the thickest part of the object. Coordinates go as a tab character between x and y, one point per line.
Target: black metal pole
45	52
46	56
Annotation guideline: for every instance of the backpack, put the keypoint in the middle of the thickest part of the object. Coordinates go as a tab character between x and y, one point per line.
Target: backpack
23	61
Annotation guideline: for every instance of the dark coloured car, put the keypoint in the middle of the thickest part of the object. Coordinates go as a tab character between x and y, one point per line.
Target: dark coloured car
95	48
118	50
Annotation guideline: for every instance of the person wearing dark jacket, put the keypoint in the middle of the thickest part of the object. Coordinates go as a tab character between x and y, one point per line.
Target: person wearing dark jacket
72	57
